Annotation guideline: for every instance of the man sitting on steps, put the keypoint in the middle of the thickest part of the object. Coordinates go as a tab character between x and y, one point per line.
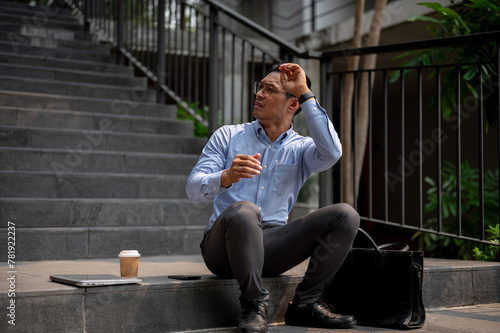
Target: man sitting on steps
254	172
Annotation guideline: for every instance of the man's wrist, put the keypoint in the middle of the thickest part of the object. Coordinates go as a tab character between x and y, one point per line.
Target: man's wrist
304	97
225	179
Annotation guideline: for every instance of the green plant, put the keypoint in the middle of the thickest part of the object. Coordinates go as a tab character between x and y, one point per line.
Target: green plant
492	252
469	206
478	65
199	129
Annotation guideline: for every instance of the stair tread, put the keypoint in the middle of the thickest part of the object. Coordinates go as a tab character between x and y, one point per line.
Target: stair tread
81	99
60	61
98	86
97	74
101	152
112	133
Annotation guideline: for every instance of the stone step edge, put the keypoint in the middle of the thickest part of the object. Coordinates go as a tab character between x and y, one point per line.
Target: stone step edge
27	8
64	50
22	29
45	14
99	152
109	229
74	71
28	39
100	200
93	115
64	174
100	86
89	133
76	62
83	99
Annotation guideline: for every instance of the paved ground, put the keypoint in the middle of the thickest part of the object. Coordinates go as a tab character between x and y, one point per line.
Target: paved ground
473	319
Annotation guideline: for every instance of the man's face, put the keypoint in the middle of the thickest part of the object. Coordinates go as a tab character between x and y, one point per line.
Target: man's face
275	106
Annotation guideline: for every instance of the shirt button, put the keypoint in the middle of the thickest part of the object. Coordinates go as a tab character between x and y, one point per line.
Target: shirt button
214	189
262	187
269	146
315	109
265	166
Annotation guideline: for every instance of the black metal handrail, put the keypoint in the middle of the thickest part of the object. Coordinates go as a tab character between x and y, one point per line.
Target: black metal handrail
202	55
479	38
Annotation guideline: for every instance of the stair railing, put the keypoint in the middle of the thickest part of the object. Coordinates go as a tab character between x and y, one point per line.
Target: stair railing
204	57
199	54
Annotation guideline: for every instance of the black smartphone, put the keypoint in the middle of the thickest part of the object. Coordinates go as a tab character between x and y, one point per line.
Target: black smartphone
184	277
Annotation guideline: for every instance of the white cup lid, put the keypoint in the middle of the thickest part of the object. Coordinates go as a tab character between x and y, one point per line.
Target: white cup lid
129	253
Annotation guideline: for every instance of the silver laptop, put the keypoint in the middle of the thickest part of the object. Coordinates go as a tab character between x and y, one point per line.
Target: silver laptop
93	280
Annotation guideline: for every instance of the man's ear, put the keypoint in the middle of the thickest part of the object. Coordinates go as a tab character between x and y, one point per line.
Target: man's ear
294	105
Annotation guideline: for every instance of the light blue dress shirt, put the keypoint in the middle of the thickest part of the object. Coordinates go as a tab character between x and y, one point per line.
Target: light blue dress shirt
286	164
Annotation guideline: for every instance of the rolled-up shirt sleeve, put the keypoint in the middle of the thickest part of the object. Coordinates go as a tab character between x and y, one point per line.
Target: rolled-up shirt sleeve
204	180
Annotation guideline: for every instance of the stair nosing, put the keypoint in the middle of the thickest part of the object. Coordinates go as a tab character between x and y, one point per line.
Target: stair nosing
72	83
96	174
77	98
100	152
81	61
92	114
63	50
73	71
52	129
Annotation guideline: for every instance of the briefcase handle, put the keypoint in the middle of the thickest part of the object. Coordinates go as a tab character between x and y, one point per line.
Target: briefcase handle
394	245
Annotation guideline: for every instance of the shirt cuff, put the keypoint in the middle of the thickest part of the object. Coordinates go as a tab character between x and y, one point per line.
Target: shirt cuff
211	187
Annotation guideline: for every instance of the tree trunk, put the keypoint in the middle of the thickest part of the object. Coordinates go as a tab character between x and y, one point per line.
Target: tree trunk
348	90
363	101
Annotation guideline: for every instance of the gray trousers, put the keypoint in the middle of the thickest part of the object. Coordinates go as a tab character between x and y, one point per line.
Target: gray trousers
239	246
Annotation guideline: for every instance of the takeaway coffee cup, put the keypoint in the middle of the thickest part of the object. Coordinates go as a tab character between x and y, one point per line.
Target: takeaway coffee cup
129	263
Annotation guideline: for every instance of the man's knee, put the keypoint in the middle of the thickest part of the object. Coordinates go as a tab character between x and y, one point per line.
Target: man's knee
244	214
349	216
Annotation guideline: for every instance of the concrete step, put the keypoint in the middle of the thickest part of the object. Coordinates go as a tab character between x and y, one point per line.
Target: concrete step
36	159
47	73
48	19
77	243
19	29
55	229
89	141
160	304
63	53
31	184
68	88
122	107
18	38
57	9
27	117
112	213
55	63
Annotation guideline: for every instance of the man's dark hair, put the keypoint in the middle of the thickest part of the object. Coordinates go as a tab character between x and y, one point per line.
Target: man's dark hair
276	68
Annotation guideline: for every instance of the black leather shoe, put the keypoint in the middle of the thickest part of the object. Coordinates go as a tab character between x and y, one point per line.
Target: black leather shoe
253	317
316	315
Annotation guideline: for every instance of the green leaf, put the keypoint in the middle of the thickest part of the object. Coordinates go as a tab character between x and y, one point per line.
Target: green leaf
440	9
423	18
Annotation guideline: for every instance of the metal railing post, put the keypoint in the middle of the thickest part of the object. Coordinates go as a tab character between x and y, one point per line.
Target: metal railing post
213	72
160	94
119	33
86	14
326	88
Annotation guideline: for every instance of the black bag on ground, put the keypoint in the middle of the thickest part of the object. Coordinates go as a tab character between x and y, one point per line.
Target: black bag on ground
379	286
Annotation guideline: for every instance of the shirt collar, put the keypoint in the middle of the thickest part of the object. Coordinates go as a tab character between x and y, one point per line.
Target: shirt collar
261	132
